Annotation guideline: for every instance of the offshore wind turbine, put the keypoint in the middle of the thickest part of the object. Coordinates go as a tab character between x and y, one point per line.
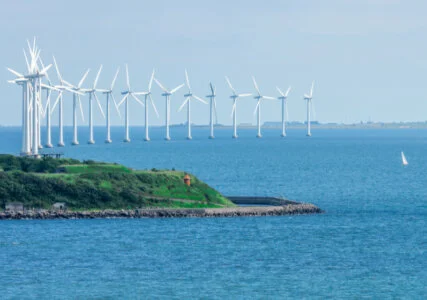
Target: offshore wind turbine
188	97
283	97
61	87
125	100
212	110
309	98
92	94
235	96
146	96
77	100
167	94
259	98
110	95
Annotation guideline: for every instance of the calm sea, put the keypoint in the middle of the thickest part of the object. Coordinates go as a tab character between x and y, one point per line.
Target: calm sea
370	243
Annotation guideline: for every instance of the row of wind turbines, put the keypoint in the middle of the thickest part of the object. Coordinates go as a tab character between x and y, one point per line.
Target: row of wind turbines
33	110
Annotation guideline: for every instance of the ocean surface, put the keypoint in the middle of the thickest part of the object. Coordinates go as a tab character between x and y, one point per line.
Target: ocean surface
371	242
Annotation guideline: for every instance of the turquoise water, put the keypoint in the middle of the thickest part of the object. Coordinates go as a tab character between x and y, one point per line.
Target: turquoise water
371	242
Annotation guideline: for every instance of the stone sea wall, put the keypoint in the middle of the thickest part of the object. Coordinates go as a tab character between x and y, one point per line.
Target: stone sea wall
291	209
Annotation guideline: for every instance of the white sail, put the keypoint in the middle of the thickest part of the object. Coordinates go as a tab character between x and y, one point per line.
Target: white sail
404	161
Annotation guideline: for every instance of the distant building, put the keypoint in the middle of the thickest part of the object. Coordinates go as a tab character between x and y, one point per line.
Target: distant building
14	206
59	206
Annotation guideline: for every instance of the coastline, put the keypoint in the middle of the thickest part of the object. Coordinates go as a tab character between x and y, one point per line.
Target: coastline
290	209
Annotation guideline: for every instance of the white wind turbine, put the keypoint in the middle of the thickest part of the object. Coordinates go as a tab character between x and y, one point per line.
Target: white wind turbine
167	94
188	97
146	96
77	100
61	87
283	97
92	94
110	95
235	96
212	110
125	100
259	98
308	98
31	102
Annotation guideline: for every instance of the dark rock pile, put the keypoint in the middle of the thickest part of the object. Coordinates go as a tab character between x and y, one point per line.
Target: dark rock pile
291	209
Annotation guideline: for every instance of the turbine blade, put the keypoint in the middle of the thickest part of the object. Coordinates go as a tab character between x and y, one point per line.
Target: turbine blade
183	103
161	86
124	98
287	92
57	70
215	111
233	109
256	85
212	88
136	99
115	105
257	106
99	104
47	103
177	88
83	78
151	81
81	107
114	80
45	69
229	84
244	95
200	99
56	102
311	90
69	84
127	77
268	97
154	106
187	81
26	61
15	73
280	92
97	77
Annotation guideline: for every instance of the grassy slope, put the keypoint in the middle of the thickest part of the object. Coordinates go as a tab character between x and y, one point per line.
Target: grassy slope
90	185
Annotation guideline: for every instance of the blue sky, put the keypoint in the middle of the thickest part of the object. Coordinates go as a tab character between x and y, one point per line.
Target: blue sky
368	57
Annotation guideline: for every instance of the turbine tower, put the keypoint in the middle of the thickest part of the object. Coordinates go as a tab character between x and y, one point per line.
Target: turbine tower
188	97
167	94
212	109
92	94
76	100
259	98
283	97
146	96
308	98
110	95
235	96
125	100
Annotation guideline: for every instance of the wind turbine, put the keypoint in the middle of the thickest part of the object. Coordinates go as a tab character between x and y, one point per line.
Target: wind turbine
110	95
77	100
283	97
125	100
235	96
188	97
259	98
167	94
92	94
308	98
212	109
32	107
148	95
61	87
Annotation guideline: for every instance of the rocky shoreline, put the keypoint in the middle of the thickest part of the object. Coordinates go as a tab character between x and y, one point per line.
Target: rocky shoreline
290	209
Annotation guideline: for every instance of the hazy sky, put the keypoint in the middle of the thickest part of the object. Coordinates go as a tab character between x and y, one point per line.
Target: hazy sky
368	57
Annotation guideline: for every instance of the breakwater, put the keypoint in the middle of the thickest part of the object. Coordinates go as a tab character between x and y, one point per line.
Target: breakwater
291	209
255	200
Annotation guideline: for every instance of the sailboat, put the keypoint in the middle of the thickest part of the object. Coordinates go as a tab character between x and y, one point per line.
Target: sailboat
404	161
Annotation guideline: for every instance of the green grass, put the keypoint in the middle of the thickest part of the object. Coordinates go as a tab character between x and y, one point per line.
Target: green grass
93	185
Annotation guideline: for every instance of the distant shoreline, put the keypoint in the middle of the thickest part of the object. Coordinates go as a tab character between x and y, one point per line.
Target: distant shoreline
290	209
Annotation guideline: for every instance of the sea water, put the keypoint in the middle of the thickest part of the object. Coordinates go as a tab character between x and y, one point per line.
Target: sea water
370	243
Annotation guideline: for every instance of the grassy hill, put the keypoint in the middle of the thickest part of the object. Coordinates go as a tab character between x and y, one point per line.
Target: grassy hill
88	185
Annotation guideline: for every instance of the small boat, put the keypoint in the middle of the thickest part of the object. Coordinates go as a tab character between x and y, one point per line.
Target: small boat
404	161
